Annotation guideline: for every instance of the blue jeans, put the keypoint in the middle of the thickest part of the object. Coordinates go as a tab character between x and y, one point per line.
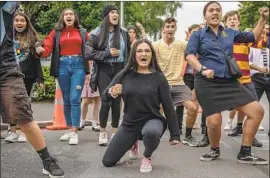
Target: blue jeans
71	78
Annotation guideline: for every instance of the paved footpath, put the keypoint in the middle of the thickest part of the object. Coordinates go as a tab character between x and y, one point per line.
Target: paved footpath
19	160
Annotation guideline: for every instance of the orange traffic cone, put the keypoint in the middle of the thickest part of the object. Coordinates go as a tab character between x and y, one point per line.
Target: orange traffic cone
59	122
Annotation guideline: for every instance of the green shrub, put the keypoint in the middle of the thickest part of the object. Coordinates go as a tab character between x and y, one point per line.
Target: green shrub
48	92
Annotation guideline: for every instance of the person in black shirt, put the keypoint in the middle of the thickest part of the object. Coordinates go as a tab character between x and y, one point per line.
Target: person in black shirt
14	101
26	38
143	88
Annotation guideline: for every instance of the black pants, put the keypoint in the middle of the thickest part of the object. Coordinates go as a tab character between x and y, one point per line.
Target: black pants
122	141
105	75
28	85
262	84
203	121
189	81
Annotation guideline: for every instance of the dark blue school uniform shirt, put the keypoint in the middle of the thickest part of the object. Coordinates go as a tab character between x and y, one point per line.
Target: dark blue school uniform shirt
205	43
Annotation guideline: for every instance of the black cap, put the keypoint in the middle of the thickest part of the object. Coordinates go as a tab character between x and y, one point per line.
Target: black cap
108	8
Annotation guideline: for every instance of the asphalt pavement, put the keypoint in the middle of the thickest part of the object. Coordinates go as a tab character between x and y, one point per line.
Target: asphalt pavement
19	160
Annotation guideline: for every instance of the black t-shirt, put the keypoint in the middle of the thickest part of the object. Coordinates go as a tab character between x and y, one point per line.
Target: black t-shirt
7	51
143	94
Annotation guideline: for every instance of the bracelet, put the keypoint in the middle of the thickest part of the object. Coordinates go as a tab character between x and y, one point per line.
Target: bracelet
202	69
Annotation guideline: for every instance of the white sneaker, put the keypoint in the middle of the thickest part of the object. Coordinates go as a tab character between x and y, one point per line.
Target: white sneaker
11	137
103	139
261	128
73	138
22	138
228	126
82	123
96	128
146	165
66	136
134	151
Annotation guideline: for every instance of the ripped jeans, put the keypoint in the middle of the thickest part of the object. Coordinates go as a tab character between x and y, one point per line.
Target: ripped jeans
71	78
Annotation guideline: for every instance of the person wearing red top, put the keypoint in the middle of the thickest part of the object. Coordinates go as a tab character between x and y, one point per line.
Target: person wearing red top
68	65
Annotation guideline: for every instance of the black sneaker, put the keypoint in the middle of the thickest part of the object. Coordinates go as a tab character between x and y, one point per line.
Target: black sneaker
211	155
235	132
204	142
251	159
52	169
257	143
190	141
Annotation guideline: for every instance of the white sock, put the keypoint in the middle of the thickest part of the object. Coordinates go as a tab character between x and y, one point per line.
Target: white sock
230	121
82	122
94	123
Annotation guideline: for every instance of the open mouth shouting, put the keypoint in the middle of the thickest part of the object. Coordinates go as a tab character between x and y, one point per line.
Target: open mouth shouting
69	21
20	28
215	18
114	20
69	17
20	23
144	61
114	17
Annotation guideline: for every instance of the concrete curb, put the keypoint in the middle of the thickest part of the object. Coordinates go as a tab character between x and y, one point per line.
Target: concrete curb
42	124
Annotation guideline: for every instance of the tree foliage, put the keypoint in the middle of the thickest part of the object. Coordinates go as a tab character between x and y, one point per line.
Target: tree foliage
149	14
249	12
44	15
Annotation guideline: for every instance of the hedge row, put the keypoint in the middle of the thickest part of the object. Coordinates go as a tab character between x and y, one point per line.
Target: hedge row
48	92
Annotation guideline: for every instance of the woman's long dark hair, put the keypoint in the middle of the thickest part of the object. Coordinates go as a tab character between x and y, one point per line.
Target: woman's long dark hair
132	65
29	35
103	36
61	24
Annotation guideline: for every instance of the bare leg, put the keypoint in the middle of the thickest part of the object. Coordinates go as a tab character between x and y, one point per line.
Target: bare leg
254	113
34	135
84	106
192	109
96	109
213	123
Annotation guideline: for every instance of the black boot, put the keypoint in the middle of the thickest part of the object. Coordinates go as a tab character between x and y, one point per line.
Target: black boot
235	132
204	142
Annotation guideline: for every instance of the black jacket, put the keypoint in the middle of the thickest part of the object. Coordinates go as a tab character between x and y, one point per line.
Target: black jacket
7	53
56	53
31	68
100	55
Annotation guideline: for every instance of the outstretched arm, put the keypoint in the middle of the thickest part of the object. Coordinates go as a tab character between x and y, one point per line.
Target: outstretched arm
167	103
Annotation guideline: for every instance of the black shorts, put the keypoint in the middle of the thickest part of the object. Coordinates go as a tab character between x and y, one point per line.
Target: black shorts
189	81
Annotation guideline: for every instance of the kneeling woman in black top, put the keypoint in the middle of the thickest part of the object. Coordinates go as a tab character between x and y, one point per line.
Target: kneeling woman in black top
143	88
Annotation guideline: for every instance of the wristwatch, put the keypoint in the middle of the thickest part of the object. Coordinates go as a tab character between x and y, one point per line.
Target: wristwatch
202	69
